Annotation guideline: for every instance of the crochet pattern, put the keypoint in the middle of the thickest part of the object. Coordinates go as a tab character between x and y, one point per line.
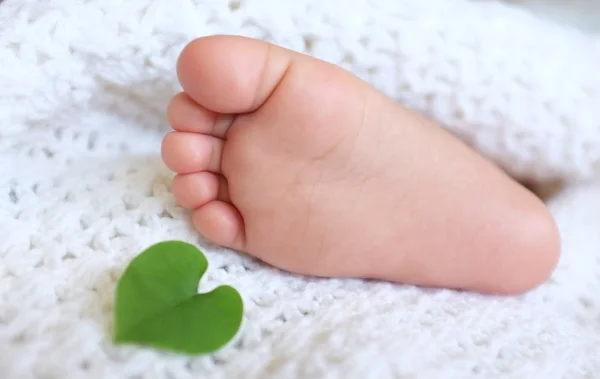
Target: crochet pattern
83	91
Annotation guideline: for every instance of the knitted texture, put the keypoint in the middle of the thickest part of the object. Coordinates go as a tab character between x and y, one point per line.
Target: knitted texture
83	91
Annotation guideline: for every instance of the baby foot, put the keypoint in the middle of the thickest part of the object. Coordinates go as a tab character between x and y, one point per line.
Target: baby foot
299	163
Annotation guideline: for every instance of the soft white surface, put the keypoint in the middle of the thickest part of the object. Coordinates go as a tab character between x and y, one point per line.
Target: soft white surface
83	90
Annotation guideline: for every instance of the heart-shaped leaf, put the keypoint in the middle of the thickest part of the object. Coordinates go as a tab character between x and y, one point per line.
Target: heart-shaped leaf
157	302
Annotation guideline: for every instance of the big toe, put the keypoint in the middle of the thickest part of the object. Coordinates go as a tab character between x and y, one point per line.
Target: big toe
230	74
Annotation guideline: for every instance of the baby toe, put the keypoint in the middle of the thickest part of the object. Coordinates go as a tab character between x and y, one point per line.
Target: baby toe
220	223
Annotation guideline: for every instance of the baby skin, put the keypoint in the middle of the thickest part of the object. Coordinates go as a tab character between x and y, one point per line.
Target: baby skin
299	163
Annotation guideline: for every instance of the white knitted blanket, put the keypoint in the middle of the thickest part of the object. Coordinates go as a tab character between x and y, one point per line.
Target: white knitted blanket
83	91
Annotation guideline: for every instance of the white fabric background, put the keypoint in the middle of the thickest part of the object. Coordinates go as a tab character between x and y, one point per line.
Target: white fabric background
83	91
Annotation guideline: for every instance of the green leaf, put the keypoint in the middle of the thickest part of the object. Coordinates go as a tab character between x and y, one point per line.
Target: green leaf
157	302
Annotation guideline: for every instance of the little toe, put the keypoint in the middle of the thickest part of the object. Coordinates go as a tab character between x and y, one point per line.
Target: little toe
185	115
186	153
221	223
192	191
